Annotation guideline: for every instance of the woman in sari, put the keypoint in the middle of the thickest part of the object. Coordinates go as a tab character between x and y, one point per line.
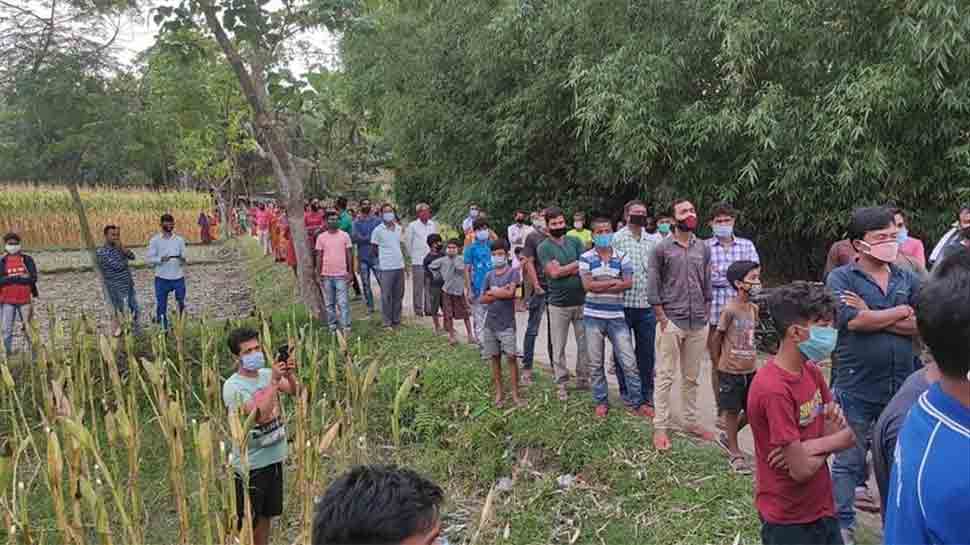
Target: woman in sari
205	232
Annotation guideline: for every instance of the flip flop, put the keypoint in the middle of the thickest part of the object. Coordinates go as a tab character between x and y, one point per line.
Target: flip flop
740	465
661	442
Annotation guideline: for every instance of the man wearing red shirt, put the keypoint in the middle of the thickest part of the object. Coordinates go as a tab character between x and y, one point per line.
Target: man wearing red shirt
18	287
795	423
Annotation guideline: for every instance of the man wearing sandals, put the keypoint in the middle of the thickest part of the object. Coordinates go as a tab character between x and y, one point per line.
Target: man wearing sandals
679	288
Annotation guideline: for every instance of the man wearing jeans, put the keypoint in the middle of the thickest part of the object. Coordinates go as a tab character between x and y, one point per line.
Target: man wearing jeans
387	238
559	258
334	252
166	254
18	287
637	246
416	242
875	353
363	227
679	288
113	260
606	273
537	301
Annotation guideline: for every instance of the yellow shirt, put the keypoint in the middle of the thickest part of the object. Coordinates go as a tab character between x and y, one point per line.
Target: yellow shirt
584	235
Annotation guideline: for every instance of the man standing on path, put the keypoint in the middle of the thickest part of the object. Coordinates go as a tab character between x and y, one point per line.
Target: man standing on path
335	251
725	250
559	257
254	388
113	260
18	287
638	246
580	231
468	222
387	238
537	300
416	242
263	217
347	226
166	254
606	274
361	233
679	288
875	353
518	231
478	262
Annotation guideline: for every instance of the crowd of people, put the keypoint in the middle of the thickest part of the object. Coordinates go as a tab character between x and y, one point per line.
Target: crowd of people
894	324
662	299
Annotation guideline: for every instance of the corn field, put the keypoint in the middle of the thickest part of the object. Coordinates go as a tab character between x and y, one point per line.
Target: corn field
44	215
82	427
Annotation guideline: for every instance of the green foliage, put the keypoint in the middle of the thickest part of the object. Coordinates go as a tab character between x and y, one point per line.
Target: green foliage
796	112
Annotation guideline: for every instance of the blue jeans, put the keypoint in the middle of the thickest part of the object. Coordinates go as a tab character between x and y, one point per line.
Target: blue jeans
849	466
643	324
124	301
598	330
366	268
335	294
163	287
537	306
9	313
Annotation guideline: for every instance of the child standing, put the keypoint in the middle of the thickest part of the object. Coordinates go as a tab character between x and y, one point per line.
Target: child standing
454	306
735	356
433	282
498	335
795	423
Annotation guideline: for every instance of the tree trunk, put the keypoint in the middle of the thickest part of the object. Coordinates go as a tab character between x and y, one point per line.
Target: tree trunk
82	218
290	180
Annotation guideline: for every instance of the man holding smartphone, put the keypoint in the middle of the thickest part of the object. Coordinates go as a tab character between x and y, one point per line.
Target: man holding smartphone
166	254
253	388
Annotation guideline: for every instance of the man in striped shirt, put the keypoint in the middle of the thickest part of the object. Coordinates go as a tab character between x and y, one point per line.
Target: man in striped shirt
606	274
928	499
113	260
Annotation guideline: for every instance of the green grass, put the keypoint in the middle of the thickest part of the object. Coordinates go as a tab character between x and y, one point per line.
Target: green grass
625	492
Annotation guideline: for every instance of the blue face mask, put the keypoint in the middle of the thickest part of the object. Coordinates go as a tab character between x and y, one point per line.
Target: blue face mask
499	261
253	361
388	217
820	344
603	241
481	235
723	231
902	235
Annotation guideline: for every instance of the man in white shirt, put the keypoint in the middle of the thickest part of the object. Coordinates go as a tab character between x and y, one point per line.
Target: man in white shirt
166	255
416	242
518	232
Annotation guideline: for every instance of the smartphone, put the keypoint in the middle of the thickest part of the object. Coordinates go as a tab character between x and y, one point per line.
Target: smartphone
283	353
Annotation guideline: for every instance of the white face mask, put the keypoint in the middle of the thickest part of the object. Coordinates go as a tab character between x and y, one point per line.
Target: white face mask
12	248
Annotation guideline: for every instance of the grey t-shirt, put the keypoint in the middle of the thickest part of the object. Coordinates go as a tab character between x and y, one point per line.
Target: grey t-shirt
452	271
501	312
887	428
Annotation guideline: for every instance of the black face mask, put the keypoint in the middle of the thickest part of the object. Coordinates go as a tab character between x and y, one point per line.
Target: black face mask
638	219
520	221
365	209
558	232
168	228
652	228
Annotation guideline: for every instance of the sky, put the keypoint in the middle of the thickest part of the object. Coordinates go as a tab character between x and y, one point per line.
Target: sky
139	32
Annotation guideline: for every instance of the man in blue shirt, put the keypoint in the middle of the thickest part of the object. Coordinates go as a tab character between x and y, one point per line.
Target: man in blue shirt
363	228
929	500
478	261
875	354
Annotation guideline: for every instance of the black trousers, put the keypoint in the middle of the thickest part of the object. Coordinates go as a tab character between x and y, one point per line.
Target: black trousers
824	531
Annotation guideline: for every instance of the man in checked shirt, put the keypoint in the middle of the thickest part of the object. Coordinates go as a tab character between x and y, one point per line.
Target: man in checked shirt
725	249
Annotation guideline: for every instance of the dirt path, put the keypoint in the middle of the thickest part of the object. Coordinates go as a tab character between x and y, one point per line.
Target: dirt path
218	291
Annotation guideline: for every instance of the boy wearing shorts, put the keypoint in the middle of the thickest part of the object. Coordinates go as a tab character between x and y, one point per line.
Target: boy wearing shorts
454	306
255	388
733	351
498	335
432	281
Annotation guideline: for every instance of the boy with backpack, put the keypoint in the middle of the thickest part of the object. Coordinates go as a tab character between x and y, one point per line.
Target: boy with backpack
433	282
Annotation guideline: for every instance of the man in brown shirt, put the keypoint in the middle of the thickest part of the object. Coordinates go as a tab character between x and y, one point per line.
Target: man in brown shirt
679	289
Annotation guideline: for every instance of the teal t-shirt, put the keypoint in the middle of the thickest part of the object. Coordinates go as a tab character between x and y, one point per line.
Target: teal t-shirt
267	441
568	291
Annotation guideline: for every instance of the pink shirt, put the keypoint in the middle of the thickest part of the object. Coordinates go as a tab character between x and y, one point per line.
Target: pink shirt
913	247
332	249
262	219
